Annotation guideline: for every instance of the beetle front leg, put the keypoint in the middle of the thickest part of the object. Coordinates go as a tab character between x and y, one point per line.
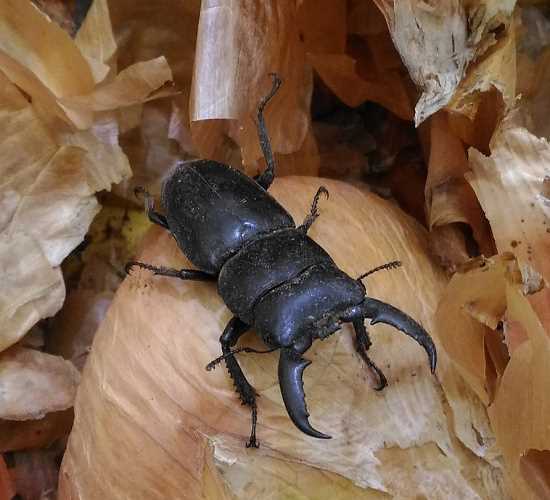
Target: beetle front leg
362	345
233	331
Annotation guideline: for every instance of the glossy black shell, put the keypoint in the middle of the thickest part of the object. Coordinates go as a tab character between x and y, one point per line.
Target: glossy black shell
270	274
263	265
310	303
213	210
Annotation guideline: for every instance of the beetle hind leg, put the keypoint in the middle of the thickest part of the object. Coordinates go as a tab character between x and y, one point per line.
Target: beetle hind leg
247	394
266	177
362	345
182	274
149	202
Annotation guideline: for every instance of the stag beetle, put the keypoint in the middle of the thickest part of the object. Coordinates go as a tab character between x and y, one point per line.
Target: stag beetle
271	274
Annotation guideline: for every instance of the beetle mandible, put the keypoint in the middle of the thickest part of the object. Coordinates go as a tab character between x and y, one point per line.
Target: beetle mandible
270	274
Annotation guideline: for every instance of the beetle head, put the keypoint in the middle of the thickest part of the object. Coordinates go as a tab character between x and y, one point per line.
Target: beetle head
292	364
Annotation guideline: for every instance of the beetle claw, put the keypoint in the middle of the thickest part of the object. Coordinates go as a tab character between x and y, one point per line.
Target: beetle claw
382	381
380	312
252	443
291	369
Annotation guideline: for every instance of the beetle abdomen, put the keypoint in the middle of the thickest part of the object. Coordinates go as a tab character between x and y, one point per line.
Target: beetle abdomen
213	210
313	300
264	264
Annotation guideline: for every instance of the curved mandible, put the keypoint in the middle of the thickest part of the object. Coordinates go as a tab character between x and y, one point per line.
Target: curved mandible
291	369
380	312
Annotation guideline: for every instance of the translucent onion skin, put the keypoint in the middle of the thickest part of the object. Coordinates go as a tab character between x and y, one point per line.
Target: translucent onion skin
151	422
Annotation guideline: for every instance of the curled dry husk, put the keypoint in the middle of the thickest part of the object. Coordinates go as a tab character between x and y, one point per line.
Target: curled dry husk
35	473
232	63
533	69
475	106
114	235
494	66
471	309
358	61
62	81
497	337
7	487
180	431
512	187
59	145
461	55
34	383
507	367
433	43
437	41
449	197
144	31
33	434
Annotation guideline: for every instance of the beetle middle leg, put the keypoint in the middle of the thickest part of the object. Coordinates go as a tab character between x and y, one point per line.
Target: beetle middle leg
266	177
362	345
313	212
149	201
233	331
182	274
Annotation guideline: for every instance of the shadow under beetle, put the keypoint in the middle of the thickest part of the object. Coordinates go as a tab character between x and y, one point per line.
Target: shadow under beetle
270	274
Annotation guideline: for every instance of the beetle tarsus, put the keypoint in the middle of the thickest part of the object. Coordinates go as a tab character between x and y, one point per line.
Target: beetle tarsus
266	177
313	212
252	443
158	219
362	345
182	274
382	381
149	202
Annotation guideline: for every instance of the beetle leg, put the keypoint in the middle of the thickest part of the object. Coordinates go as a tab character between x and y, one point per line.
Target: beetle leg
380	312
149	201
394	264
210	366
362	345
266	177
233	331
313	212
183	274
291	370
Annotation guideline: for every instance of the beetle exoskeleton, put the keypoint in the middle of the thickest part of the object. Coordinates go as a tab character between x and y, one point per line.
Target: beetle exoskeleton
270	273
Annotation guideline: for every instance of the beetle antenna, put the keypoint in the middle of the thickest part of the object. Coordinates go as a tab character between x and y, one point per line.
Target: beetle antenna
394	264
210	366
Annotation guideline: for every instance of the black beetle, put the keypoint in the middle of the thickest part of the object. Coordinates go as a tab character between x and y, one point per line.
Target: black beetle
270	274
